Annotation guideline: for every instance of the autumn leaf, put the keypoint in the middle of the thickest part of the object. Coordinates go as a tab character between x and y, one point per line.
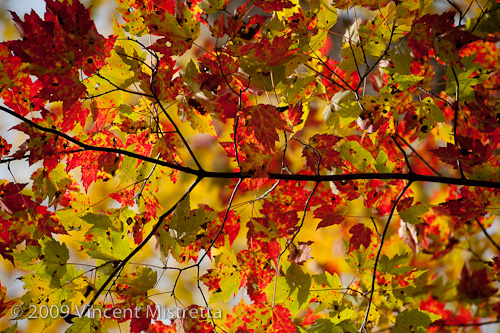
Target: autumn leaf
320	151
266	136
69	30
361	235
475	284
329	215
234	134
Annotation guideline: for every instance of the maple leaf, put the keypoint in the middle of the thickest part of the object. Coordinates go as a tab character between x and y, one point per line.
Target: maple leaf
320	151
91	162
281	320
329	215
299	254
273	52
164	85
160	327
4	147
271	6
174	21
470	153
69	30
256	163
475	284
361	235
256	115
16	87
275	222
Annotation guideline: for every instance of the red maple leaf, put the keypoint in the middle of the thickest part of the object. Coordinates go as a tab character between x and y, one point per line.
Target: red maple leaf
475	284
160	327
257	115
321	149
361	235
231	228
329	215
56	47
284	223
273	5
16	86
469	152
282	322
4	147
92	161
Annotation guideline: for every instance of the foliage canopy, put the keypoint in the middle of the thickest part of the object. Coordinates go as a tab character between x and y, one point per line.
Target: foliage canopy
222	155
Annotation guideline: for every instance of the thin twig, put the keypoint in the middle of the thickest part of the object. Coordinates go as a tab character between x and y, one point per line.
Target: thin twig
418	155
487	234
153	231
377	257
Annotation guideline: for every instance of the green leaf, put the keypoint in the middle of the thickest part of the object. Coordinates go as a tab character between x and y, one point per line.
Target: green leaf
465	81
185	224
342	110
86	325
278	290
144	280
331	281
404	82
428	113
388	265
28	257
300	284
352	57
230	277
11	329
103	222
401	58
382	163
414	214
410	321
213	6
55	255
327	17
359	157
108	244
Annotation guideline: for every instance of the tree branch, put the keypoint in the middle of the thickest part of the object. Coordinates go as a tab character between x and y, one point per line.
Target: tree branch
276	176
487	234
138	248
384	233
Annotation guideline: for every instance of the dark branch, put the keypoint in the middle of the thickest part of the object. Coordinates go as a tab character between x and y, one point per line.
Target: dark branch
139	247
276	176
384	233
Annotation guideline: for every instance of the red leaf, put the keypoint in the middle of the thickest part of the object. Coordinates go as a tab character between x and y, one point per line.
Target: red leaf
329	215
160	327
322	146
282	322
279	221
273	5
257	115
58	46
92	161
361	235
275	52
139	324
475	284
4	147
469	152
